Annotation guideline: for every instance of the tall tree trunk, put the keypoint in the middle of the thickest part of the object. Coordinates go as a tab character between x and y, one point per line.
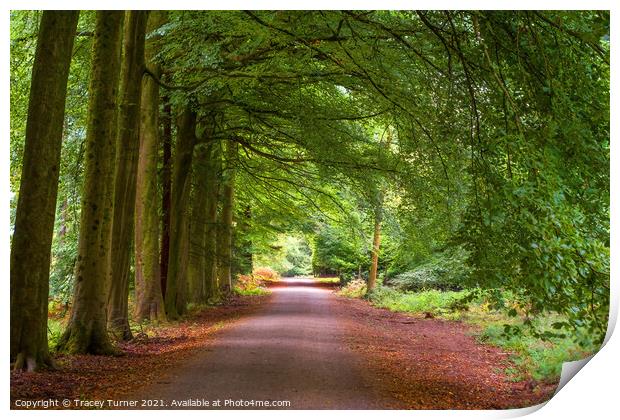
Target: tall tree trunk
376	243
128	145
34	221
245	261
149	299
228	192
249	252
378	204
198	237
211	287
179	203
166	181
86	331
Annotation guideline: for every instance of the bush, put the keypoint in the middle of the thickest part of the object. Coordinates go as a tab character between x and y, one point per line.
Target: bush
248	282
249	285
383	294
424	278
266	274
542	360
259	291
354	289
445	271
434	302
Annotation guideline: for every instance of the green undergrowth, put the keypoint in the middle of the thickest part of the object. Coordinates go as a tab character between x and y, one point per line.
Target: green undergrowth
254	284
532	354
354	289
434	302
59	317
540	359
254	291
55	328
330	280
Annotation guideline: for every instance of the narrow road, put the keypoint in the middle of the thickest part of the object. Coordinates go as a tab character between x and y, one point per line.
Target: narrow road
312	349
293	350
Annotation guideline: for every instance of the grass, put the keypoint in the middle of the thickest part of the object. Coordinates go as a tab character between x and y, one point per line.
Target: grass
531	356
255	291
435	302
331	280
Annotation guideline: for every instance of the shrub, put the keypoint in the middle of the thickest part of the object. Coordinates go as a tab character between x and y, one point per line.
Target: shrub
445	271
532	356
248	282
383	294
259	291
266	274
424	278
354	289
248	285
434	302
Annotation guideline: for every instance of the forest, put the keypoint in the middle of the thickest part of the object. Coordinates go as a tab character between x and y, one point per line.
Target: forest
169	163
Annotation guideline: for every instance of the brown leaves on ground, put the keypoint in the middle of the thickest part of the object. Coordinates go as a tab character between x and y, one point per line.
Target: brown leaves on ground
145	358
433	364
421	363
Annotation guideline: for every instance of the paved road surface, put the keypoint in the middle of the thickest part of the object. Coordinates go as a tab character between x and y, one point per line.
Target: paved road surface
292	349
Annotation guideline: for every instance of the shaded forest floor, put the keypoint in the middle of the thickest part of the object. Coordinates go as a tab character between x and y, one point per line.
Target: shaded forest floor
415	363
432	363
146	358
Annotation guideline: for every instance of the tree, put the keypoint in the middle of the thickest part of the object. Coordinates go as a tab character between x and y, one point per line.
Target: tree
211	286
175	299
166	181
149	298
34	222
378	218
198	225
128	145
226	221
86	331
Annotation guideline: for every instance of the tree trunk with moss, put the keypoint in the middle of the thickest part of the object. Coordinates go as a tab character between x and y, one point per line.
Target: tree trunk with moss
166	188
378	213
376	243
243	259
226	221
198	233
149	299
211	287
176	282
86	331
128	145
34	220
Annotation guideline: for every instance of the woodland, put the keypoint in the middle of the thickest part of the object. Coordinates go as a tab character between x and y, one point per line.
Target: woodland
160	160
